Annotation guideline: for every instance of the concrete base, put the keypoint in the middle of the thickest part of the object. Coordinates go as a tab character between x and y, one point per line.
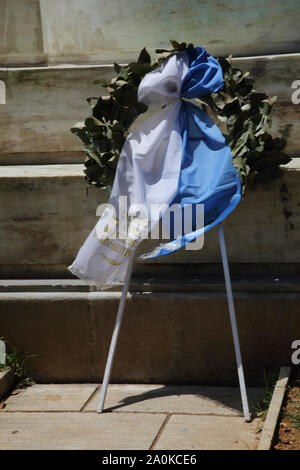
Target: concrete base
166	337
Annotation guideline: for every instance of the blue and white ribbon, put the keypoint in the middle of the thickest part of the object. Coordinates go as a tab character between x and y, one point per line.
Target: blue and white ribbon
178	156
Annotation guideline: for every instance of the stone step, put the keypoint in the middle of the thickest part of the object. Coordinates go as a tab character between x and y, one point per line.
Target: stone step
46	214
159	283
167	336
54	99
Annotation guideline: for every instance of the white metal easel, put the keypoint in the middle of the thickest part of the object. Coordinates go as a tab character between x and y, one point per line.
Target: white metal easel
114	340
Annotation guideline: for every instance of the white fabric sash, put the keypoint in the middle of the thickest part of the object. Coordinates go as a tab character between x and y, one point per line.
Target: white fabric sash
147	173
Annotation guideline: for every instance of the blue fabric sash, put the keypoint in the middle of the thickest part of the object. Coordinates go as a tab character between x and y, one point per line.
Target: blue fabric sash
207	175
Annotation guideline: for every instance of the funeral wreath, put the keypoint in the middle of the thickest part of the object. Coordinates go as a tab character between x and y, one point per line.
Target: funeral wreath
244	116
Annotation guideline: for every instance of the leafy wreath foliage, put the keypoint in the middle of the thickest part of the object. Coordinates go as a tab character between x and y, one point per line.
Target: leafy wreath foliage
245	117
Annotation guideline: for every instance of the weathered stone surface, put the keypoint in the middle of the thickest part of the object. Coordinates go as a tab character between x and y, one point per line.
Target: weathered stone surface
222	401
54	99
72	431
188	336
166	337
50	397
98	30
21	37
6	381
49	209
53	329
46	216
207	433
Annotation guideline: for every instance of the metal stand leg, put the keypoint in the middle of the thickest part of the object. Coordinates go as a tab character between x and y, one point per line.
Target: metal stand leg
114	340
234	325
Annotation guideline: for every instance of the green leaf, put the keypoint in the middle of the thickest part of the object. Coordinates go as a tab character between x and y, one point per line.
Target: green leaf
104	108
93	124
81	132
257	98
93	171
232	108
92	153
139	69
236	74
144	57
178	46
117	68
92	101
224	64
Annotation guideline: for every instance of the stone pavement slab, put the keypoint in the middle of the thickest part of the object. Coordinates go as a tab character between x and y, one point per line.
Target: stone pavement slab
91	431
193	399
144	416
50	397
208	433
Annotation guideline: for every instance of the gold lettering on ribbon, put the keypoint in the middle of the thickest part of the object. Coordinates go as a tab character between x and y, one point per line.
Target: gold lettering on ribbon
124	245
110	260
